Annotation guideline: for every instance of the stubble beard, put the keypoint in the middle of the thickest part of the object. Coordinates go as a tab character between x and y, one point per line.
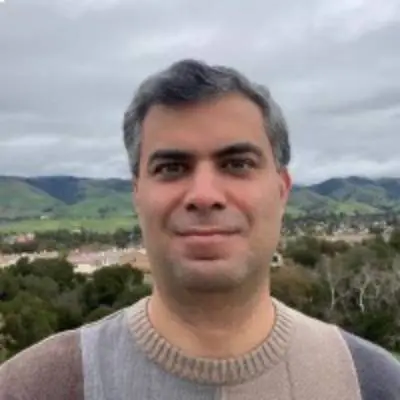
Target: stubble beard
231	276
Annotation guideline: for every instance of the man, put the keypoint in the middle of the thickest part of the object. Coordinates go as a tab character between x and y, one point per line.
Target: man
209	152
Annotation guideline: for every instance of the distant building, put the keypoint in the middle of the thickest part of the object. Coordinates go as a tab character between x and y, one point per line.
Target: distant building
137	259
277	260
22	238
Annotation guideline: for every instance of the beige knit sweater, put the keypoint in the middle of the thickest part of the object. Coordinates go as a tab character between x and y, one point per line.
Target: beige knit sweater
123	357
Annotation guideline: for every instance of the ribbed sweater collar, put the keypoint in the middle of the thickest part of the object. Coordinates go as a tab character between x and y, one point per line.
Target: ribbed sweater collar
211	371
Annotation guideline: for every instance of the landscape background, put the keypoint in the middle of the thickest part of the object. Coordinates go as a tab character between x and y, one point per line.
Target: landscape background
106	204
71	252
71	248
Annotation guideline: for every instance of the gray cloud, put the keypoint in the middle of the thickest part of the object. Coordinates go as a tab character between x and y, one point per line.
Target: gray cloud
68	68
382	100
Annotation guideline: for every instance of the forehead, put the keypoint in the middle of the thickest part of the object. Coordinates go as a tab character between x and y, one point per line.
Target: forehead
204	126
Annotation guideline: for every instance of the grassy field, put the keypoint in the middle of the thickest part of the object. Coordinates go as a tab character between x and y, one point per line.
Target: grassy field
98	225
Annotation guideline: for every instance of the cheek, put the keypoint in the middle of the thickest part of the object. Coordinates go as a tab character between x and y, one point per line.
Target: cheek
154	206
150	214
264	201
265	210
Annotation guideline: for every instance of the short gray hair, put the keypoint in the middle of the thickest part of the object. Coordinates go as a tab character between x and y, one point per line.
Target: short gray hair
193	81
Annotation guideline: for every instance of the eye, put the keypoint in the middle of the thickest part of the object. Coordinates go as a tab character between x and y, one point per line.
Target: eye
170	170
239	165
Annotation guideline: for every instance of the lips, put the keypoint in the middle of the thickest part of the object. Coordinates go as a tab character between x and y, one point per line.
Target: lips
206	244
207	232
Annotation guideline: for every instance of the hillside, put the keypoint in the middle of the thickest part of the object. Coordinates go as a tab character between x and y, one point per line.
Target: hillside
61	197
71	197
348	195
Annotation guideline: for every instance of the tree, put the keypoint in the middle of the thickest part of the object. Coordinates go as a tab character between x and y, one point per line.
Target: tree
121	238
113	286
69	310
137	234
304	251
394	239
331	248
42	287
9	285
5	340
333	275
364	294
293	285
28	319
45	296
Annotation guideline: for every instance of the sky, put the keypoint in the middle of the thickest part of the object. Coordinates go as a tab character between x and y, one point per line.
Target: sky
69	68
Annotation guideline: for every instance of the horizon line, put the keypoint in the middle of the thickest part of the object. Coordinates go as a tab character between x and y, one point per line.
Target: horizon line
295	183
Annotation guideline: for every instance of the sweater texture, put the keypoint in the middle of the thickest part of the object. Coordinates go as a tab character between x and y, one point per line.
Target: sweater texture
123	357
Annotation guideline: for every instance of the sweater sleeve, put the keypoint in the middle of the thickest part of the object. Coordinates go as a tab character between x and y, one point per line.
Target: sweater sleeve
50	369
377	370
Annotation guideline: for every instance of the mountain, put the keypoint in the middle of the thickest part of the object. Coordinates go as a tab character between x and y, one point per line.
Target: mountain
19	199
73	197
64	196
348	195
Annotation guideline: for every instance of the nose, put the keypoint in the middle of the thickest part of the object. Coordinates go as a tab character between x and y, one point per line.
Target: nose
205	192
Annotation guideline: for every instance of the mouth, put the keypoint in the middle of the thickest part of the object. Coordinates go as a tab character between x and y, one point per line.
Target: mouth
207	243
207	232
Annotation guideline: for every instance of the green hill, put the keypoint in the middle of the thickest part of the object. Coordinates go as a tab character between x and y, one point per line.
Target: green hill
18	199
62	197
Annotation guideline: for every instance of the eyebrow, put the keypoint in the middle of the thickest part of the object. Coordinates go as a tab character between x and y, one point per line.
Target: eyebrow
169	154
240	148
231	150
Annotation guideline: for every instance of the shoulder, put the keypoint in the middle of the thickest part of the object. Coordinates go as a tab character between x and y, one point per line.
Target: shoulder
47	370
377	369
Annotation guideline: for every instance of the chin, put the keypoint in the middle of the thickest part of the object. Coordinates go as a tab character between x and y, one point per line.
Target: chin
211	275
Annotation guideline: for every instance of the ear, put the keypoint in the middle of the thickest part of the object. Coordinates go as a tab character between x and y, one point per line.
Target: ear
285	187
135	196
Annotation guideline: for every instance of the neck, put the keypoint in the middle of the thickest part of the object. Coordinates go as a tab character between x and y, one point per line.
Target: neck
213	326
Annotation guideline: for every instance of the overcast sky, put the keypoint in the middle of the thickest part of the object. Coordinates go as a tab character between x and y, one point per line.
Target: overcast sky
68	69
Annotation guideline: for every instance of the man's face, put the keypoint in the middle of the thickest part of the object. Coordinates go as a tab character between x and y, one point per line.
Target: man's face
209	197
